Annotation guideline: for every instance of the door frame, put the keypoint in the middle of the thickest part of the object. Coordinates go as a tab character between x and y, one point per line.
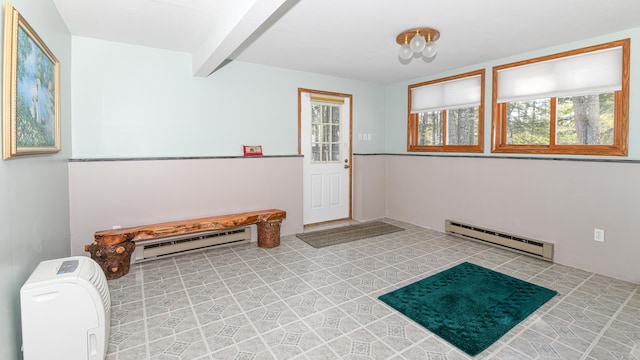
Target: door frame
330	93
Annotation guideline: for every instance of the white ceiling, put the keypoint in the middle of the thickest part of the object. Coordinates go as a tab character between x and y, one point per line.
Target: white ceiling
346	38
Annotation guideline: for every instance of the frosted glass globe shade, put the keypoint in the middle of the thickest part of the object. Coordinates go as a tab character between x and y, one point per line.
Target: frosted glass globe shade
430	50
418	43
405	52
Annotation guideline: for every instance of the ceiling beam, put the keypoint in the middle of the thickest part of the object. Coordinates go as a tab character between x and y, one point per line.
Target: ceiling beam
237	23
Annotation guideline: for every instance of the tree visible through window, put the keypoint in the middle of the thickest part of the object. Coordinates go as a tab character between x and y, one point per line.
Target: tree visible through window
585	110
462	126
446	114
430	128
586	120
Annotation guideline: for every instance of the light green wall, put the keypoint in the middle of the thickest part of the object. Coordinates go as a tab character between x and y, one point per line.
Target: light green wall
396	130
133	101
34	192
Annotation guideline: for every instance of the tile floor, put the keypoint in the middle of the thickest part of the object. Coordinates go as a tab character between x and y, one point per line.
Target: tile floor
295	301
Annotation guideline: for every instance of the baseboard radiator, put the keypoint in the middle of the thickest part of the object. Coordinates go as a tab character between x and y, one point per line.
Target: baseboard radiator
535	248
174	245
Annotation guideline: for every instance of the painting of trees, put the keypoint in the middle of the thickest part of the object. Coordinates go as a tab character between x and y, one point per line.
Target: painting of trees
35	99
31	101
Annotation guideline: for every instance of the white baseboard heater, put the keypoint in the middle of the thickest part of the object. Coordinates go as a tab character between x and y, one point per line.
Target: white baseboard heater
174	245
520	244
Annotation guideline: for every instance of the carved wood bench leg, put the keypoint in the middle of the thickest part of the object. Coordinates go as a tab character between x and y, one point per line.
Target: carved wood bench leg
114	259
269	233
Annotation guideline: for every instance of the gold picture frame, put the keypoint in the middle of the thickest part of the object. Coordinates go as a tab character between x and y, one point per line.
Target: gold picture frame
30	91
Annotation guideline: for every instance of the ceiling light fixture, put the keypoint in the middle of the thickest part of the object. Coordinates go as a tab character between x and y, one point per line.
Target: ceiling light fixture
418	41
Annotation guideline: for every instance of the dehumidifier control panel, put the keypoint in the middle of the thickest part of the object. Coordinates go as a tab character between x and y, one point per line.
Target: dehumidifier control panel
68	266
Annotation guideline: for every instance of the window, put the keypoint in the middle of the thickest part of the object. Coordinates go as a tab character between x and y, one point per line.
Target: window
325	128
447	114
570	103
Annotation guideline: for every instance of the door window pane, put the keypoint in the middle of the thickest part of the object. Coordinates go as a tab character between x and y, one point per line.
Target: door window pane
315	133
325	152
335	152
335	133
325	132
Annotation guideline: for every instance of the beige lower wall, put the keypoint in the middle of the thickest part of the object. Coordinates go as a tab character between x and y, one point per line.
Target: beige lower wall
128	193
557	201
369	187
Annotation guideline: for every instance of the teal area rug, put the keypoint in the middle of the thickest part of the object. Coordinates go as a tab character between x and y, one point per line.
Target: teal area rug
468	305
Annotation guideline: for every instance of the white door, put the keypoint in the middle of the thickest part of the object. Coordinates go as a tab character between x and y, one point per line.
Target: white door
325	142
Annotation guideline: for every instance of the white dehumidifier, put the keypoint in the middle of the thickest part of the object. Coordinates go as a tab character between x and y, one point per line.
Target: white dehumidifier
66	311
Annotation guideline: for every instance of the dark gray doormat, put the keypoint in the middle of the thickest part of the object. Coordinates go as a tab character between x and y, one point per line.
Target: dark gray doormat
343	234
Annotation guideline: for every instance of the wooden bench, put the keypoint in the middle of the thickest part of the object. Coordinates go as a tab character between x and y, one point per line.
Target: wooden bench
112	249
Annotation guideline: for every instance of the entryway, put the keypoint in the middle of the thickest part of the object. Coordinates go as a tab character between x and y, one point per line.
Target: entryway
324	130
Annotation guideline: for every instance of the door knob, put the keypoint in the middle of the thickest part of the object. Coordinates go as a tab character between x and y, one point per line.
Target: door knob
346	166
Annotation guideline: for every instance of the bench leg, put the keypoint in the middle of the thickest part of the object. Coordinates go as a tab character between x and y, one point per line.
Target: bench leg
114	259
269	233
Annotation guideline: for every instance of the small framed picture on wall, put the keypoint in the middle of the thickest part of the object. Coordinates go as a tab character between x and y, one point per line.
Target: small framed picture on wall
252	150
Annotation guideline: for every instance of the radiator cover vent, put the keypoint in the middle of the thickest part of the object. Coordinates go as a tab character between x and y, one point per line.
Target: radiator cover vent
520	244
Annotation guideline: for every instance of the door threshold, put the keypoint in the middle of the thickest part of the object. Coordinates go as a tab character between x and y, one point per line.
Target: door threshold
330	224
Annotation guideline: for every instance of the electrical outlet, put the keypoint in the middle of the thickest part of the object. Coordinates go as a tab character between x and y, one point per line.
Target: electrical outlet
116	227
598	235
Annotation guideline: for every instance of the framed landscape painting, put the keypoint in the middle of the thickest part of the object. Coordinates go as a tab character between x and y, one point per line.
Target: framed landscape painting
31	91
